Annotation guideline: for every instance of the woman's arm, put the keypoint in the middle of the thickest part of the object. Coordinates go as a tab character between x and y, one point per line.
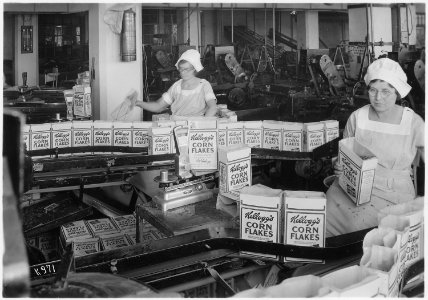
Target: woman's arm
349	130
155	107
211	109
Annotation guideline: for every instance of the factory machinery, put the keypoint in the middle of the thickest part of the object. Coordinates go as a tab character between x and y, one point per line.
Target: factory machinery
199	254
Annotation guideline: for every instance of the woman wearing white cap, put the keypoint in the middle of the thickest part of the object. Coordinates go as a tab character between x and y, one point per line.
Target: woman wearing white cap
190	96
395	135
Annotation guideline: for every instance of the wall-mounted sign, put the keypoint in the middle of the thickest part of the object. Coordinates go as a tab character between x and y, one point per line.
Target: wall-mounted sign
26	39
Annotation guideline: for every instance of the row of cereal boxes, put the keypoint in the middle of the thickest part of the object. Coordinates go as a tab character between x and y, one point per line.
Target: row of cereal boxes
90	236
158	135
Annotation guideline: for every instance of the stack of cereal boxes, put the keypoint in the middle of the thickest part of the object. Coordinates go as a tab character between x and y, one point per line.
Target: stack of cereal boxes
82	105
290	217
91	236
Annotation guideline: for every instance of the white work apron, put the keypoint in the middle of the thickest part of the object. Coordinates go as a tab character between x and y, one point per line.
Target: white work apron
391	144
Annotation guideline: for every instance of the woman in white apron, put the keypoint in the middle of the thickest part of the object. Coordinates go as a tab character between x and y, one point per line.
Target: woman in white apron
190	96
394	134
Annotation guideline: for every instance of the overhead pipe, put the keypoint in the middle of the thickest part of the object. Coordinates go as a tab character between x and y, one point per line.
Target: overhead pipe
188	24
198	15
232	22
371	29
265	28
274	33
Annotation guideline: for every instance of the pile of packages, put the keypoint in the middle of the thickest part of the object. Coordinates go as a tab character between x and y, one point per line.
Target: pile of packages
387	252
78	99
91	236
276	216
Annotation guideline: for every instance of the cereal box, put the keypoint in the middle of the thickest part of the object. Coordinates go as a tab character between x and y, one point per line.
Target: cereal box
122	134
140	133
164	123
260	216
382	259
78	105
103	133
47	244
304	221
272	131
26	136
82	105
82	133
32	241
359	166
160	140
222	132
253	134
353	281
74	231
203	143
413	213
292	137
85	247
114	241
231	116
125	223
235	133
331	130
100	227
235	169
61	135
68	96
132	237
87	104
313	135
40	136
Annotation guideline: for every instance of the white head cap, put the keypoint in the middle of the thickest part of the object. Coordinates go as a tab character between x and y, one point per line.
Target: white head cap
389	71
193	57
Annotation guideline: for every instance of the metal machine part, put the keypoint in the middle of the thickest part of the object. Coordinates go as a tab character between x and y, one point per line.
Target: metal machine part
181	193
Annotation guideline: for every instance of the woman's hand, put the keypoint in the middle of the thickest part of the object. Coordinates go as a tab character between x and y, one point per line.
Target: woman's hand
139	103
337	167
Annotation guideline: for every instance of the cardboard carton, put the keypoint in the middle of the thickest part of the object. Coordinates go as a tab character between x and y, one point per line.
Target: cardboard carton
304	221
359	166
253	134
101	227
203	143
140	133
354	281
413	213
82	133
125	223
103	133
235	169
313	135
61	135
235	133
272	135
74	231
85	247
292	137
122	134
222	132
260	215
114	241
384	262
26	136
40	136
331	130
160	140
47	244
